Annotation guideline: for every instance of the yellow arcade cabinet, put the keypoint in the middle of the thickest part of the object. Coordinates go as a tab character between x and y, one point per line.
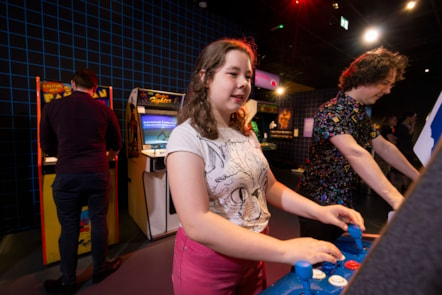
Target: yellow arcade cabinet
50	227
150	118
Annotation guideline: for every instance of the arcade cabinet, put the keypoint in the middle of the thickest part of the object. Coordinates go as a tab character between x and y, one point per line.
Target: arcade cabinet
407	258
326	278
150	118
262	116
50	227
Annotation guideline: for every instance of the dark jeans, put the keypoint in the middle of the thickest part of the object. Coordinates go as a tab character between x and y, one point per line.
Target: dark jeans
318	230
72	192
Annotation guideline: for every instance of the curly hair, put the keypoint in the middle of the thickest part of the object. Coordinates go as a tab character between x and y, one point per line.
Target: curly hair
373	67
196	104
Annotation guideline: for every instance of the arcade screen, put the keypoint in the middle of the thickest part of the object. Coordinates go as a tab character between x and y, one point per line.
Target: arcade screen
157	128
255	128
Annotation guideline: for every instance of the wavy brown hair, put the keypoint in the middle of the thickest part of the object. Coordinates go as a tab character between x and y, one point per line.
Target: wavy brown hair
196	103
373	67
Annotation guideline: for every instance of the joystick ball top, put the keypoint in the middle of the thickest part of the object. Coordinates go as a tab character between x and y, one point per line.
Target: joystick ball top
354	231
304	269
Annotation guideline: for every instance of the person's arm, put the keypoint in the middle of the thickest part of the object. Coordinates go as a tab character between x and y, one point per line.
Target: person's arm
113	137
189	194
367	168
282	197
111	154
391	154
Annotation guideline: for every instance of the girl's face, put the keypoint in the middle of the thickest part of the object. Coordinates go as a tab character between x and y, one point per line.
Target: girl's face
230	86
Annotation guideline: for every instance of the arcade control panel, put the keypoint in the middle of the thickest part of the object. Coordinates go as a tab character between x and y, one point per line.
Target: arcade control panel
154	160
154	153
325	278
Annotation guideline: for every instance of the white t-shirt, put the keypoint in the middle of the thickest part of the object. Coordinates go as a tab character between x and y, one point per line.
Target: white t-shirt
235	173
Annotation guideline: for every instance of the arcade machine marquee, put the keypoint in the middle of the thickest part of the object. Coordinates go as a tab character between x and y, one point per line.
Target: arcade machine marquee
150	118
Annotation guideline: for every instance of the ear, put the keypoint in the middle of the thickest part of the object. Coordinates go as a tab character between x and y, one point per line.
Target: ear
202	75
73	84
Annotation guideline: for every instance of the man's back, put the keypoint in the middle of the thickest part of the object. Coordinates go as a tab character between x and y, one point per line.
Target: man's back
79	130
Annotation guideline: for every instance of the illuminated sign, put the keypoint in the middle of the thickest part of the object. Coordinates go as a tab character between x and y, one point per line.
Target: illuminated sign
344	23
266	80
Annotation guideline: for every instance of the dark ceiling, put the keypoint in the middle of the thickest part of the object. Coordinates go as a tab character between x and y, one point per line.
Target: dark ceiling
312	49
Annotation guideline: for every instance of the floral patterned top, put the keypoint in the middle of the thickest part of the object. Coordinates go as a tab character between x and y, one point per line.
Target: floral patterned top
328	176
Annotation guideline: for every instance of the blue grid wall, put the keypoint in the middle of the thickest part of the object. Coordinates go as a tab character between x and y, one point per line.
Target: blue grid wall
293	153
149	44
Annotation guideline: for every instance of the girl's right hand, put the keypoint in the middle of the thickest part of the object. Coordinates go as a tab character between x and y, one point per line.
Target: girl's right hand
312	250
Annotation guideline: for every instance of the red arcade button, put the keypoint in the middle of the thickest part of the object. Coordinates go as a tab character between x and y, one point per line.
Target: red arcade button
352	265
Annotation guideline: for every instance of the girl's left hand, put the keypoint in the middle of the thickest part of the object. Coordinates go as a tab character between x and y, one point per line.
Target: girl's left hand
341	216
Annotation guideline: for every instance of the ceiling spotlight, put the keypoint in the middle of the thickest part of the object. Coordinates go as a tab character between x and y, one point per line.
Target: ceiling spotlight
410	5
280	91
371	35
335	5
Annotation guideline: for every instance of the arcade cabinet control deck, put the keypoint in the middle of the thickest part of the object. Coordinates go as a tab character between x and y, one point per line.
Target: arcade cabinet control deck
326	278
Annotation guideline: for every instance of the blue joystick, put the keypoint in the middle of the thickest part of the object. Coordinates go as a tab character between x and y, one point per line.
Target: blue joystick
356	233
304	270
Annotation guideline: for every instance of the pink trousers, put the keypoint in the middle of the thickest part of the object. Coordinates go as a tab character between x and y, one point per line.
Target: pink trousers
198	269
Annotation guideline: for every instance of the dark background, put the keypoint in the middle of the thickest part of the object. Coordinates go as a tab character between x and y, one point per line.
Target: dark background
312	49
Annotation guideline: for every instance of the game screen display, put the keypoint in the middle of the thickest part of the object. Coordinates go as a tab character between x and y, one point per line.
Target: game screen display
156	129
255	128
